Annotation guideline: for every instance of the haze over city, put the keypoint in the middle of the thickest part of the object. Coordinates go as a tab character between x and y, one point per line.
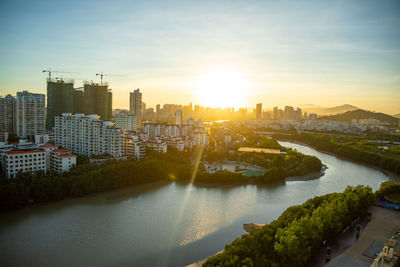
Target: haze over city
213	53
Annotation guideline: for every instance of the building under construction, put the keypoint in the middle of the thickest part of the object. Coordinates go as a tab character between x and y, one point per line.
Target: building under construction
60	99
93	98
98	100
79	100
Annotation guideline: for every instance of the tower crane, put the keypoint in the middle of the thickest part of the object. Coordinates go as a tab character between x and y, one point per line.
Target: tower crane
102	75
50	71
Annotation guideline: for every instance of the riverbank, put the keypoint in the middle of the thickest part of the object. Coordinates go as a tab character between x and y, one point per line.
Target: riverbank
295	236
310	176
351	147
386	172
179	223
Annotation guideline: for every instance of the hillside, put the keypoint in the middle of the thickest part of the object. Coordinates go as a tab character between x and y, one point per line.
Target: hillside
397	115
328	111
362	114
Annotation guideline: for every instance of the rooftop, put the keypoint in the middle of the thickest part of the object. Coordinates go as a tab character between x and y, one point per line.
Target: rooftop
61	150
47	145
23	152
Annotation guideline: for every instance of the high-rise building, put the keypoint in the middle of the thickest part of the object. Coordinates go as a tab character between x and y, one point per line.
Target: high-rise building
135	105
275	113
60	99
178	117
30	114
299	114
289	113
98	100
258	111
143	108
7	110
88	135
79	100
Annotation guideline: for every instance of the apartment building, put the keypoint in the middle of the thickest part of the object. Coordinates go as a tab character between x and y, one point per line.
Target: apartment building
157	145
88	135
126	122
62	160
134	148
23	115
23	161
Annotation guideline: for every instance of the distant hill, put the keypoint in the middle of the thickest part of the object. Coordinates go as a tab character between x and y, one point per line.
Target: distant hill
362	114
327	111
397	116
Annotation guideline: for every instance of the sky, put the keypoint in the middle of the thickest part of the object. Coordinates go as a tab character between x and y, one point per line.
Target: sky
325	53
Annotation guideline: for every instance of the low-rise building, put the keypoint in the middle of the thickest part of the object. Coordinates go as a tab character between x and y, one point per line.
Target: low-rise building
23	161
48	148
157	145
62	160
134	148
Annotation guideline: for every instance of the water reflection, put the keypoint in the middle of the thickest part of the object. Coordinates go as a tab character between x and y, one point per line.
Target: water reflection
135	226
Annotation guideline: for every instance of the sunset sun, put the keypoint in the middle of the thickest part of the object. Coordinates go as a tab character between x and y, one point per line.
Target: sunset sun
222	88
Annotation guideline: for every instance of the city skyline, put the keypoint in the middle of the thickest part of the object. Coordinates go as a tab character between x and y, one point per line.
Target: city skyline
270	52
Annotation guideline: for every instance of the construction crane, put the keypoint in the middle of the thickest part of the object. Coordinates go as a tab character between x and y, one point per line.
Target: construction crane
57	71
109	75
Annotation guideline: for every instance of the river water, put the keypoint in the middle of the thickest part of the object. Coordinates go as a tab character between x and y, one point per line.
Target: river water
160	224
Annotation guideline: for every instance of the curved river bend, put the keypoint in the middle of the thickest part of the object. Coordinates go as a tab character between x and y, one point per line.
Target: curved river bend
161	224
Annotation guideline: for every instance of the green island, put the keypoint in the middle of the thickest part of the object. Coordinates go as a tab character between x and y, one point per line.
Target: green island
384	154
85	178
299	232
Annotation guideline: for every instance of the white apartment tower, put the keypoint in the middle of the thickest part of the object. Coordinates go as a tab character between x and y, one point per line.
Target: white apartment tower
135	106
126	122
88	135
30	114
178	117
24	115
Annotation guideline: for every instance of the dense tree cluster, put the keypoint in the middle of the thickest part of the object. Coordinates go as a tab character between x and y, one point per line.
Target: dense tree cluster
365	152
298	232
175	165
83	180
386	189
291	164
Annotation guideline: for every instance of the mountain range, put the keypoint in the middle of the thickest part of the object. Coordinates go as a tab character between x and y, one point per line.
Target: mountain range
323	111
362	114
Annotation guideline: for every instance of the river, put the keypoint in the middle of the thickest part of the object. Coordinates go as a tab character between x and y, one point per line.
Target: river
160	224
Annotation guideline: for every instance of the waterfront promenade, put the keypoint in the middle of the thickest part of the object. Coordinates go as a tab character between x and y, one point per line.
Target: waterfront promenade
384	224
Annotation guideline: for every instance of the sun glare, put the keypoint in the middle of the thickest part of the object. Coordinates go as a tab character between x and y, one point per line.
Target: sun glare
222	88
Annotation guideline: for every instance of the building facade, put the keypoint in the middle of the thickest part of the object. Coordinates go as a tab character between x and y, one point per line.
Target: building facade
135	106
62	160
178	117
7	109
125	122
30	114
98	100
134	148
26	161
60	99
88	135
258	111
